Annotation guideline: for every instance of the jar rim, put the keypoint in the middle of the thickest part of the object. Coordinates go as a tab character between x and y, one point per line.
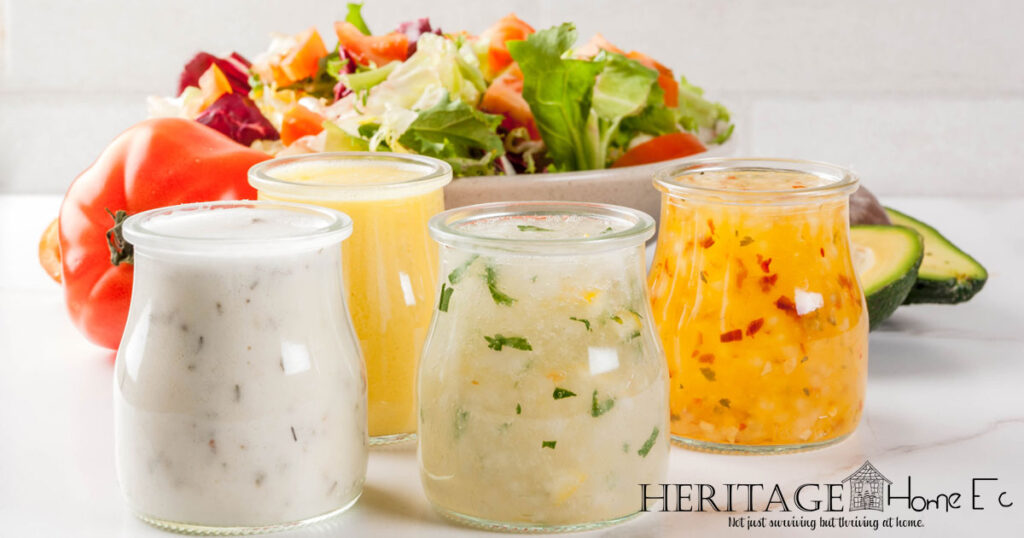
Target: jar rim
840	181
333	228
448	227
433	174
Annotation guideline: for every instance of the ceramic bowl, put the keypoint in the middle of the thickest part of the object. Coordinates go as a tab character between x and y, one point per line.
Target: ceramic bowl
630	186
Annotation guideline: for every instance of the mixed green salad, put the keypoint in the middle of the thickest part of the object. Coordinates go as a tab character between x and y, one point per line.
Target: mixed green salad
510	100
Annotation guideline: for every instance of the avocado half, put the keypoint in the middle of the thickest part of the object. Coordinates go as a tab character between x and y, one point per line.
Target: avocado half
886	259
947	275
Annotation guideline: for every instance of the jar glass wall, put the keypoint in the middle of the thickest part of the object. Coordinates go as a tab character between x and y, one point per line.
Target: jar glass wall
390	261
759	310
240	396
543	392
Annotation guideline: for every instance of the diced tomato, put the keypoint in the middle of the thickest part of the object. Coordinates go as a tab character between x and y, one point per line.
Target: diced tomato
298	122
661	148
365	49
213	84
509	28
505	96
302	61
666	79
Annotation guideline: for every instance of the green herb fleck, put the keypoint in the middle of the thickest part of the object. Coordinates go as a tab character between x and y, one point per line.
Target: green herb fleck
804	359
617	319
456	275
583	321
446	296
607	230
634	334
635	313
704	277
492	285
598	408
461	418
709	374
807	391
498	341
649	443
625	447
529	228
746	240
548	444
562	393
519	409
724	402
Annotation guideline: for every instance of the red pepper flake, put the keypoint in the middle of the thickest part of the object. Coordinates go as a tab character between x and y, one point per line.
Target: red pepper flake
732	336
822	250
707	241
711	226
743	426
845	281
730	177
706	358
765	263
786	304
755	326
697	401
700	339
695	353
768	282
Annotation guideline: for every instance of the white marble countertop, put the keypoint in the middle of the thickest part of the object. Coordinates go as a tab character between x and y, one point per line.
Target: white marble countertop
945	405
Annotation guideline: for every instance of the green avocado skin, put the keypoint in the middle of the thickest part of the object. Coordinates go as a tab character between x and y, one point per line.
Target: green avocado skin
947	291
951	289
884	301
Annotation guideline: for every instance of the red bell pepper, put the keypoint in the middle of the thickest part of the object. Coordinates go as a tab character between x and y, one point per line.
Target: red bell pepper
157	163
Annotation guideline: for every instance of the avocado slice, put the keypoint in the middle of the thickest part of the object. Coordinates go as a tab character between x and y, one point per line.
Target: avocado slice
947	275
886	259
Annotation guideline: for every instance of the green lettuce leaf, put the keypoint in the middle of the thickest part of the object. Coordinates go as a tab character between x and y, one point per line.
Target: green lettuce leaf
695	111
655	119
622	90
355	16
559	93
457	133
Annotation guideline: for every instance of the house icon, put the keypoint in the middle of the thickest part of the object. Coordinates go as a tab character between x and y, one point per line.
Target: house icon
866	488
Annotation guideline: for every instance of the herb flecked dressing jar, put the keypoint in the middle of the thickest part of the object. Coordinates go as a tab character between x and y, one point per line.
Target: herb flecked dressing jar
760	312
543	390
239	392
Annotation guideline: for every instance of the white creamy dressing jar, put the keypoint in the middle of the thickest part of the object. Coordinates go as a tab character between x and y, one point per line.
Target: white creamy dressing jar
240	394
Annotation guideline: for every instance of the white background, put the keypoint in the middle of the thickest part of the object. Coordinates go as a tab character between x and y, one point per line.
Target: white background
919	96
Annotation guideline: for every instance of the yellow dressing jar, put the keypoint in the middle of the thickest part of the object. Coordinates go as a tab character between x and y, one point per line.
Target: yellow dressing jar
757	304
390	263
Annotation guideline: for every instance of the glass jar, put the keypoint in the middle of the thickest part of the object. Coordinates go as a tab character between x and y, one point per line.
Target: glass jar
390	261
760	312
239	395
543	390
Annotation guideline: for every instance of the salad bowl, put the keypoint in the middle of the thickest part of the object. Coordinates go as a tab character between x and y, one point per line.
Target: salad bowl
630	186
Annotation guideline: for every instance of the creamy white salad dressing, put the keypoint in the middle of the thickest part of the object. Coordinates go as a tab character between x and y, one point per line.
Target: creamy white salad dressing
240	397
